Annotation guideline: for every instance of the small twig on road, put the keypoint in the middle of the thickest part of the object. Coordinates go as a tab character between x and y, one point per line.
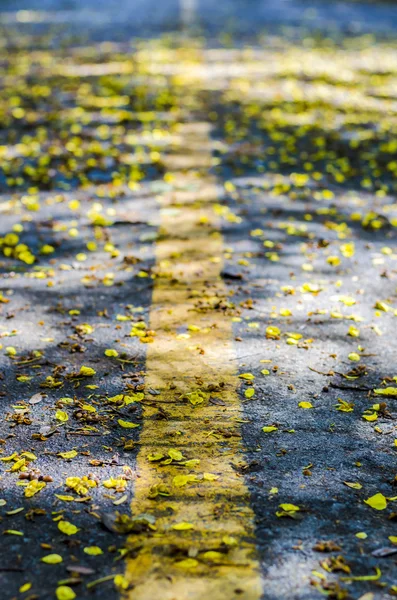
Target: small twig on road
329	374
245	356
350	387
84	434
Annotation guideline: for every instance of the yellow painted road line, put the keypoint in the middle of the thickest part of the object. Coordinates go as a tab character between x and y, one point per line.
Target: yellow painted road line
197	413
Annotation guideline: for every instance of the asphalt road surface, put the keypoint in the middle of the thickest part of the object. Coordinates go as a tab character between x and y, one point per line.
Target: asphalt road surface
198	300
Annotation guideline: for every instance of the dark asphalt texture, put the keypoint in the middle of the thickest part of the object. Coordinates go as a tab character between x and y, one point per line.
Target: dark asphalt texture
314	451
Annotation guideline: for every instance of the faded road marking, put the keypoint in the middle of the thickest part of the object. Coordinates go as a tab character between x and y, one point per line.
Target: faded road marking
198	411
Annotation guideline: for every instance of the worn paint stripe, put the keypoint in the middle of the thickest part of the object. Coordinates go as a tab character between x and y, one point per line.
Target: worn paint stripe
188	290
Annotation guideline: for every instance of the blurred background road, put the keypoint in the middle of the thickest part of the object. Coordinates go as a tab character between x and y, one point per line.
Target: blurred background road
117	20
